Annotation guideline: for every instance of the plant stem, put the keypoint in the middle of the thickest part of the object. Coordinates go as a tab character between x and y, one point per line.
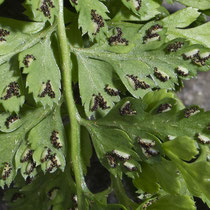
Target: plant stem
74	137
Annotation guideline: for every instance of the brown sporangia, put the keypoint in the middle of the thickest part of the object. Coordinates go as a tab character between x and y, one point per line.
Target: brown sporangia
138	83
11	119
126	109
117	39
46	154
111	91
151	33
111	160
181	71
161	75
98	102
30	167
47	91
199	61
3	34
191	111
13	89
174	46
45	8
164	108
75	2
96	18
53	163
6	171
55	140
27	155
28	59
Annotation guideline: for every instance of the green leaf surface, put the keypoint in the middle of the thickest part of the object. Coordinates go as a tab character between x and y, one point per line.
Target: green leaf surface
200	4
167	125
92	16
182	18
140	65
11	141
92	71
173	203
11	90
146	9
53	193
43	74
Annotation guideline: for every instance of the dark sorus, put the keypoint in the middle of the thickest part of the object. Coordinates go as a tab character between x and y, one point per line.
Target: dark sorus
126	109
111	160
28	60
136	83
164	108
30	167
198	60
45	8
4	32
13	89
162	76
11	119
191	111
152	33
98	102
27	155
117	39
174	46
55	140
98	20
182	71
47	91
53	162
111	91
6	171
46	154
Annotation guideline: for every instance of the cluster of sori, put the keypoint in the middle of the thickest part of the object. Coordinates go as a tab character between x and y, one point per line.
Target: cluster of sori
162	76
27	157
12	89
197	57
147	146
111	91
47	90
98	20
149	203
135	83
152	33
174	46
52	160
6	171
190	111
126	109
164	108
28	60
98	102
55	140
11	119
117	39
117	155
3	34
45	7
